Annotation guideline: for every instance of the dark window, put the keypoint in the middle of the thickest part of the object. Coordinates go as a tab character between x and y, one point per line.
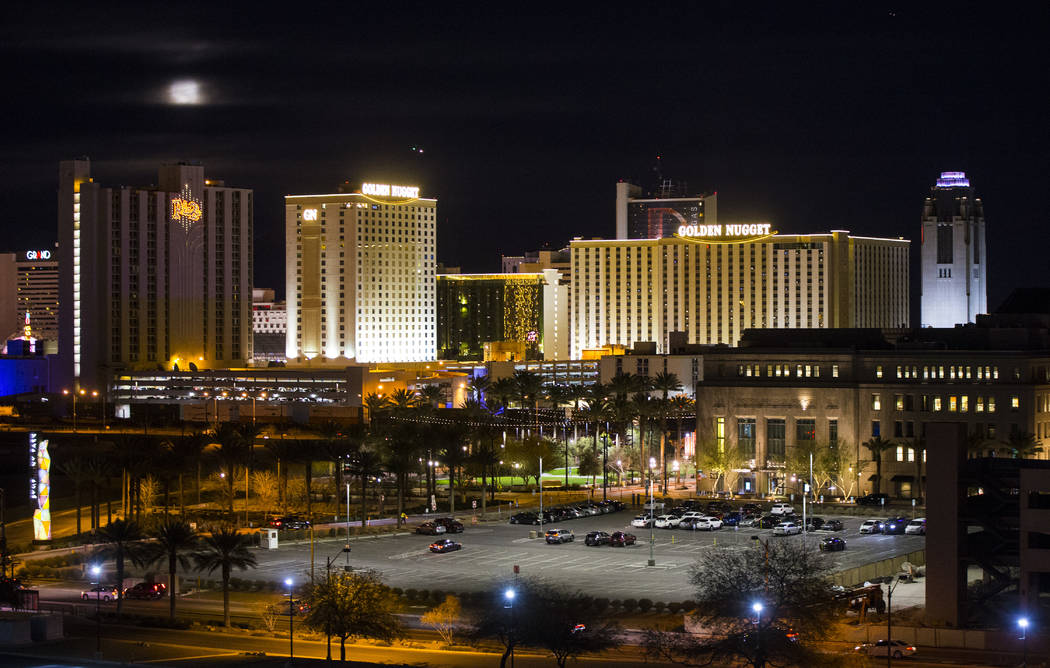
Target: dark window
944	244
876	429
833	431
805	430
776	430
745	437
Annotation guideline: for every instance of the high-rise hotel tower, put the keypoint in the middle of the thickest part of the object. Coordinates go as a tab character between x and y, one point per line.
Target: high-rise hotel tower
954	259
360	274
153	276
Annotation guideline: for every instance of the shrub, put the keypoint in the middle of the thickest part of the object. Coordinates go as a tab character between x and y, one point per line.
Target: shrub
688	606
673	607
398	591
645	604
411	593
629	604
615	603
600	604
659	606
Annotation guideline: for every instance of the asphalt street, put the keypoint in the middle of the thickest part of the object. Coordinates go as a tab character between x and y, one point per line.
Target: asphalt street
490	552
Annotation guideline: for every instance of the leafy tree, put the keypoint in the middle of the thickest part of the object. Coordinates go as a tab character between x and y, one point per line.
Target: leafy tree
589	463
122	542
173	541
789	580
721	463
834	466
876	447
502	391
232	452
357	604
364	464
548	617
527	453
78	470
188	453
225	550
267	488
1021	445
443	618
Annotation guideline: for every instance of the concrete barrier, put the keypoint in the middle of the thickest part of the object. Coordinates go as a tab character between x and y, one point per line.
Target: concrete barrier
877	569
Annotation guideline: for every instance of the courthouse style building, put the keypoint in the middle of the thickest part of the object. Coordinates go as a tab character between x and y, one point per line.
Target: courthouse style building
159	275
713	281
360	275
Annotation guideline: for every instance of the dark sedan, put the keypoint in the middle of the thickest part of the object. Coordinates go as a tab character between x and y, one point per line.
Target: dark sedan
430	529
621	539
451	525
445	545
832	544
895	525
524	518
832	525
596	538
769	521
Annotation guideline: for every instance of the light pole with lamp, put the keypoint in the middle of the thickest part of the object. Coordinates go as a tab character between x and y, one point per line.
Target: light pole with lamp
759	659
75	392
1023	624
291	618
508	596
96	570
890	586
652	505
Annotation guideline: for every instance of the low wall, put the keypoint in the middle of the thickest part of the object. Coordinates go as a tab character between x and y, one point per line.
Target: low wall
877	569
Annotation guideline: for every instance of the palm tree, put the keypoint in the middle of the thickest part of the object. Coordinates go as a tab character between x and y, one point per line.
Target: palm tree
430	395
78	470
365	464
225	549
682	406
877	446
188	452
1021	445
479	387
376	404
121	543
173	541
401	400
665	383
597	412
529	386
306	451
284	452
503	391
232	452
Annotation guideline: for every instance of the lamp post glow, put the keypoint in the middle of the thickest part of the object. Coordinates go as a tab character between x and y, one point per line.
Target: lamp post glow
1023	624
291	617
757	607
509	596
652	506
96	570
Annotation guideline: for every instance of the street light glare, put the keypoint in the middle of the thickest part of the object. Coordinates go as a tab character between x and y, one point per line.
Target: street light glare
509	594
96	569
288	582
1023	622
757	607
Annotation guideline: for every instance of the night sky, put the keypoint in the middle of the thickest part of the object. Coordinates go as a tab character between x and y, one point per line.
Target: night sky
813	119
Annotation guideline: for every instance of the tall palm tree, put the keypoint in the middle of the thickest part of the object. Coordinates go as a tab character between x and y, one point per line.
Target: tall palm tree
430	396
365	464
283	452
503	390
681	406
529	387
376	405
876	447
121	543
225	549
78	470
232	452
188	452
665	382
479	387
597	412
306	452
173	541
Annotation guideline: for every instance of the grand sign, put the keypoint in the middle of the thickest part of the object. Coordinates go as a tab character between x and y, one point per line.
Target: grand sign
38	255
387	190
728	230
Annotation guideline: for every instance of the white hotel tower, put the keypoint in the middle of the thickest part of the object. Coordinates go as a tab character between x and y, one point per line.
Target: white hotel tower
954	258
360	275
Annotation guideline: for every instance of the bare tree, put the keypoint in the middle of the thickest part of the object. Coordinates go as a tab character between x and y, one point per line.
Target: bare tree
443	618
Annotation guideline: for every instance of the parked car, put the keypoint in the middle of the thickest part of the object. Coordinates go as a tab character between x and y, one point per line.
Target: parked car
732	519
916	527
445	545
451	525
641	521
782	509
596	538
559	536
667	522
895	525
751	520
769	521
832	525
105	594
787	529
814	523
708	523
898	649
523	518
871	526
751	508
621	539
832	544
690	515
717	506
656	504
290	523
146	590
873	500
430	529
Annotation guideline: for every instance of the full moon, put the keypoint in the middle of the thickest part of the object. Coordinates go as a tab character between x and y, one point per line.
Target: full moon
186	91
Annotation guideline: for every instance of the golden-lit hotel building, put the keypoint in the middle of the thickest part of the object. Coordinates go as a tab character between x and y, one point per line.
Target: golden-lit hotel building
155	276
710	282
360	275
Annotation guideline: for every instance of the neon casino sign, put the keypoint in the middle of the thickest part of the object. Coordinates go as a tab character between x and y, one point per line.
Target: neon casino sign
387	190
185	209
725	233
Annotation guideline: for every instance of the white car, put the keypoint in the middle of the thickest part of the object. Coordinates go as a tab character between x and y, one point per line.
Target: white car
782	509
708	523
655	505
691	515
871	526
917	526
895	648
667	522
787	529
641	522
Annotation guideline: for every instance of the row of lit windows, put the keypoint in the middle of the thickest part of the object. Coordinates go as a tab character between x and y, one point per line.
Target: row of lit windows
954	372
952	403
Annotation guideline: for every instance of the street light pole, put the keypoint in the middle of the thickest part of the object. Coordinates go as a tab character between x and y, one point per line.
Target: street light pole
291	618
759	659
1023	623
890	586
605	464
96	570
652	504
509	596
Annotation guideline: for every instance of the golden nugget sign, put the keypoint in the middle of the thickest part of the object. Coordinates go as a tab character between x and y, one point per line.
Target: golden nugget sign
387	190
731	230
185	209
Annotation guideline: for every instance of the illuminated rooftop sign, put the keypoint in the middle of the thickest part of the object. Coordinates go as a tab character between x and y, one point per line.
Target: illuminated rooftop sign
309	214
387	190
38	255
185	209
733	230
953	180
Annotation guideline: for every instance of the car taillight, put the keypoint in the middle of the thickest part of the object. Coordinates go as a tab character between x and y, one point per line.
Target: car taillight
911	649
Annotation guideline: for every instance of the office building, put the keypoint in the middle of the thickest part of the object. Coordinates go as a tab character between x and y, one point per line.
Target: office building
659	212
534	262
954	257
712	282
360	275
159	275
269	327
29	284
513	316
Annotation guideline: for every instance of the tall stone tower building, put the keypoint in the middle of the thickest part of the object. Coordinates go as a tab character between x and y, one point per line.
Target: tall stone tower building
954	258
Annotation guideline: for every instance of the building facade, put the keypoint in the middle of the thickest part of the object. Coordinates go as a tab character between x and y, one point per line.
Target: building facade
360	274
659	213
954	257
153	276
715	281
528	310
781	393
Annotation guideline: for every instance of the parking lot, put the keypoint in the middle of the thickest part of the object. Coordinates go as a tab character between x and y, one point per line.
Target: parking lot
491	550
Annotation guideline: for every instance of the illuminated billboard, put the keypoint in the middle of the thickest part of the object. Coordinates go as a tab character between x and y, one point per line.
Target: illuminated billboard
40	487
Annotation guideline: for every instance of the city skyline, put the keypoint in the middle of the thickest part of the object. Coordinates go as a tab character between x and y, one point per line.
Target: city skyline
807	119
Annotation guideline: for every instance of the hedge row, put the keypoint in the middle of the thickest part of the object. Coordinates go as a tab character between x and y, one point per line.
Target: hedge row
597	604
